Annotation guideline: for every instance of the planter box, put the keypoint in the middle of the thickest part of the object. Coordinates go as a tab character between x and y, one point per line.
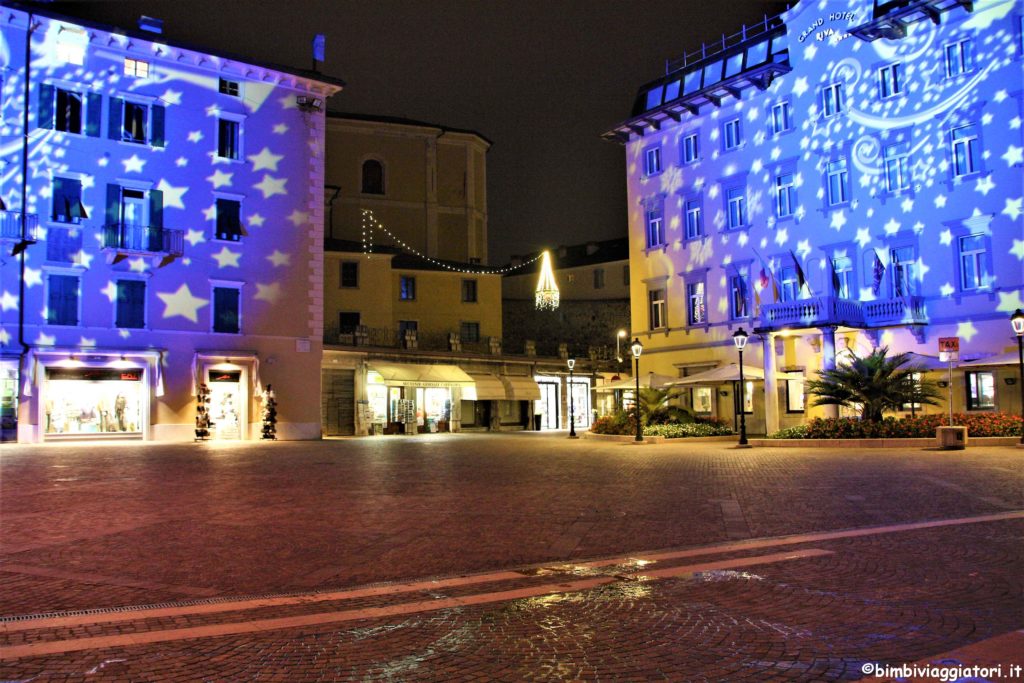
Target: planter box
951	438
878	444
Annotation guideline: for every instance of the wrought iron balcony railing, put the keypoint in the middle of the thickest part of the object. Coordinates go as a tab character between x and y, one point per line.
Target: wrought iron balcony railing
144	239
10	225
829	310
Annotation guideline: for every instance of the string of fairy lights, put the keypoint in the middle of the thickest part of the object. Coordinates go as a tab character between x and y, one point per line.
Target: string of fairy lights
370	223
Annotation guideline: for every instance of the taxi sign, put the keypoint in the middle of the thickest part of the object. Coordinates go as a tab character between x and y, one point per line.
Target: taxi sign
950	344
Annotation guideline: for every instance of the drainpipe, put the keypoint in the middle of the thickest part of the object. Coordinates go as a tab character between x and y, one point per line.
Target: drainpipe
330	202
24	210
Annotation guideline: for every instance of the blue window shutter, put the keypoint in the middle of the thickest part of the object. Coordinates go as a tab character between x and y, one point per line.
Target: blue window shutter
115	122
62	304
93	114
156	208
57	199
131	303
70	302
46	108
157	139
73	195
113	204
225	310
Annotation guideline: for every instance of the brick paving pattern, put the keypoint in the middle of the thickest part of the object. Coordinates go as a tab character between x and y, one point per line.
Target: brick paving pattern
95	527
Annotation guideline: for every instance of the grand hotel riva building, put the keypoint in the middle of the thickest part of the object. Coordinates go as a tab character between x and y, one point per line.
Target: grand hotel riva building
843	176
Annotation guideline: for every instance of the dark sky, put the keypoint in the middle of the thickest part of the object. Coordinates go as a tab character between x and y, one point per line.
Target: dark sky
542	80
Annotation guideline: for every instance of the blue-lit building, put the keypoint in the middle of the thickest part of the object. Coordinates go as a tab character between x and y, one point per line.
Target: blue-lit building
846	175
162	230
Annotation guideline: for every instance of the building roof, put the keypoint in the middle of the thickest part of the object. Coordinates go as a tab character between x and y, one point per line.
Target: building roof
400	121
161	38
578	255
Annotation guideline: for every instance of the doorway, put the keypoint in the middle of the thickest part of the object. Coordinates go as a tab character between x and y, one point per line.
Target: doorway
548	405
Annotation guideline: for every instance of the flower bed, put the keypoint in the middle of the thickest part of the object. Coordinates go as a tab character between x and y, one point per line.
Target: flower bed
625	425
923	426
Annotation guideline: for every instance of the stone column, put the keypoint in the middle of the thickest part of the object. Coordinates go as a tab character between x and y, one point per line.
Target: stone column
361	395
771	388
828	360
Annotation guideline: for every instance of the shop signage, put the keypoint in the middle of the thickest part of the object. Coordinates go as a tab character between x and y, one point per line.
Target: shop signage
95	374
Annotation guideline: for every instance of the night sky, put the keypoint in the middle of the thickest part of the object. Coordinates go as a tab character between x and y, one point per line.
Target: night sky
542	80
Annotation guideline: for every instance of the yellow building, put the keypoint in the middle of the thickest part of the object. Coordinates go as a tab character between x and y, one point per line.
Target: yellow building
426	183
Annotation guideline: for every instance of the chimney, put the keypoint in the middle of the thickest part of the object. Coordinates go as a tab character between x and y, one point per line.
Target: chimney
150	24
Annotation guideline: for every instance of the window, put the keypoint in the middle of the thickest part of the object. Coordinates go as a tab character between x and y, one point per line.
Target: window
691	149
71	43
570	278
469	332
136	67
652	161
890	80
598	278
407	288
226	316
64	245
69	111
131	304
625	276
959	57
748	397
348	321
655	228
229	220
731	134
62	299
973	269
349	274
782	117
694	224
696	313
133	208
373	177
656	308
915	378
785	195
832	99
981	391
838	188
843	268
738	297
135	122
229	139
736	205
701	399
789	284
794	396
469	291
66	196
229	87
406	326
897	166
904	269
964	141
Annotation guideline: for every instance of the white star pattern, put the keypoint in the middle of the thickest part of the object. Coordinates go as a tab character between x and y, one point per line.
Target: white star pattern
133	164
1014	155
45	339
194	237
137	265
210	212
946	237
8	302
946	290
940	201
195	136
110	291
181	162
171	97
1013	207
803	247
182	303
172	194
220	179
279	258
269	293
966	330
1018	249
5	337
838	220
891	227
280	129
33	277
800	86
985	185
256	221
83	258
86	341
298	218
265	160
271	186
907	205
226	258
863	237
1009	301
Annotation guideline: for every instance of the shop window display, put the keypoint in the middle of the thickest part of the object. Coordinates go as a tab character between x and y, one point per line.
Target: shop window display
93	401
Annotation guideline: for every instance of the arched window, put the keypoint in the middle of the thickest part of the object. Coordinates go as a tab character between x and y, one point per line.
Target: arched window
373	177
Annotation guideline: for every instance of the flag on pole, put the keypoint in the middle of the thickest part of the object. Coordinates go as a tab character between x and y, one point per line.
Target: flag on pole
767	276
837	284
800	279
877	272
319	47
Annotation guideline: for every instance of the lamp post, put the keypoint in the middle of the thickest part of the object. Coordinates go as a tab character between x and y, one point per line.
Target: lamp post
637	348
739	338
1017	320
618	348
572	406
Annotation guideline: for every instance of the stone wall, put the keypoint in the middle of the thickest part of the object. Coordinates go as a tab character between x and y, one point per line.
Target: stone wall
580	324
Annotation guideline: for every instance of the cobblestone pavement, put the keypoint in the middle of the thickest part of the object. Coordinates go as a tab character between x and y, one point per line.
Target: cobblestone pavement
256	562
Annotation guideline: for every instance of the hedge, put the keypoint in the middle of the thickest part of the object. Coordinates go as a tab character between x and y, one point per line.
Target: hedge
978	424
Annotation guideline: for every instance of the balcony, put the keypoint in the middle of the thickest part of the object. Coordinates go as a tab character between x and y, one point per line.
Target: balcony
143	239
829	310
10	225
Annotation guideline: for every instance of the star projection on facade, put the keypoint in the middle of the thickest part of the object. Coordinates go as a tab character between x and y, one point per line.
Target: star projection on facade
1013	207
226	258
1009	302
172	195
270	293
194	237
133	164
279	258
33	277
1018	249
1014	155
270	186
265	160
182	303
45	339
8	302
110	291
220	179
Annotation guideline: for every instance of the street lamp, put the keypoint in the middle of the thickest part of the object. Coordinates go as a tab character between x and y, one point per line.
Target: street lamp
572	407
618	349
739	338
1017	320
637	348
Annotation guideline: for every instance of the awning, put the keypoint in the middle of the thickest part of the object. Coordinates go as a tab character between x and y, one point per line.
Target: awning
731	373
1008	358
410	375
648	381
520	388
486	388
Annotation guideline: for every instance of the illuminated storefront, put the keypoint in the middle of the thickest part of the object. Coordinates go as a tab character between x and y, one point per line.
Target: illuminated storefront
410	399
8	399
94	401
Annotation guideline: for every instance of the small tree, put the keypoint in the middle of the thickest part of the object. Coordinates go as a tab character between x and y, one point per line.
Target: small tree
875	382
656	409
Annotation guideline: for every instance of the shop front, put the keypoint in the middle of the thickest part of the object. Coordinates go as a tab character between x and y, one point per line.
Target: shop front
94	402
226	386
9	398
414	399
547	407
580	405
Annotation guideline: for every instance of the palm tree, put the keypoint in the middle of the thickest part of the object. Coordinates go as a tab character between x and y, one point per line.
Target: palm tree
875	383
655	407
